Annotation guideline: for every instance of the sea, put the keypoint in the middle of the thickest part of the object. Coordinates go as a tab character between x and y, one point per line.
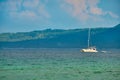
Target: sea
59	64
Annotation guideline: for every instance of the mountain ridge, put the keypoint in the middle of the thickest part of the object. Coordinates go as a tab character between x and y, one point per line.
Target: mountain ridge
59	38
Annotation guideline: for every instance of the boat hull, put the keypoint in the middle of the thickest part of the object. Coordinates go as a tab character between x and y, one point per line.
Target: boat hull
88	50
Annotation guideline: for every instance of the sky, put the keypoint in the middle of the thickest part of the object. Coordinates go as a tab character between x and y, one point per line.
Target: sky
30	15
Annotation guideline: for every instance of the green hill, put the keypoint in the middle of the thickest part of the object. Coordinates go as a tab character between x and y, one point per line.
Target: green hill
58	38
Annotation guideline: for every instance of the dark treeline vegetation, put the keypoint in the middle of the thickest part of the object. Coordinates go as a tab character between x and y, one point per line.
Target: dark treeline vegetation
58	38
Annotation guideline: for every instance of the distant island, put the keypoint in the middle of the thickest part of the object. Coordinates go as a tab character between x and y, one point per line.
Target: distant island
59	38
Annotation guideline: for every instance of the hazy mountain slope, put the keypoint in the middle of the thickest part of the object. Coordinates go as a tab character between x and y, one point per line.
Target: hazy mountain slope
74	38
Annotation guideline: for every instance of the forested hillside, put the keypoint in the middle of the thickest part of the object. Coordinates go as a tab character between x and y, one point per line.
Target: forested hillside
58	38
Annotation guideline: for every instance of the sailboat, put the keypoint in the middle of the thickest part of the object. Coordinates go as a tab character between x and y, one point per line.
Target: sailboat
89	49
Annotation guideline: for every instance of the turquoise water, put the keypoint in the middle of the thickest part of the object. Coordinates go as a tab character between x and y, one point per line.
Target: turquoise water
58	64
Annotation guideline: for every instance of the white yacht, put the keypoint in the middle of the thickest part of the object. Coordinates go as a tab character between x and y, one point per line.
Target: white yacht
89	49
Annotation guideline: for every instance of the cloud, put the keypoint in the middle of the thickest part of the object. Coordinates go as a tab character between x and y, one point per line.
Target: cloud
76	8
10	5
85	9
112	14
23	14
24	9
38	8
43	12
31	4
96	11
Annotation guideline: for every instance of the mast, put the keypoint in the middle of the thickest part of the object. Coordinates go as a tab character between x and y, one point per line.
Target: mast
88	37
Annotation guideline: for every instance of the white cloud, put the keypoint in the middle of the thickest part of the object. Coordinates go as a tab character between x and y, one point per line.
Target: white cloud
36	7
76	8
24	14
31	3
25	9
96	11
112	14
43	12
85	9
10	5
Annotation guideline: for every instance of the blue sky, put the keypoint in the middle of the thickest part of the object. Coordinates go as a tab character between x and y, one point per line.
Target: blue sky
30	15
